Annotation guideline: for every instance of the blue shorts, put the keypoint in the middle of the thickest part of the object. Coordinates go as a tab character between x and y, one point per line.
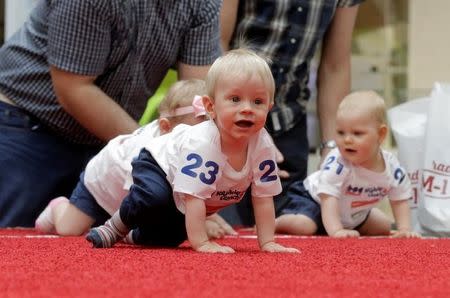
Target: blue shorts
301	202
83	200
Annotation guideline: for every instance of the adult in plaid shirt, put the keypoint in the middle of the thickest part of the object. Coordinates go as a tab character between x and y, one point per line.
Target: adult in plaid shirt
289	32
77	74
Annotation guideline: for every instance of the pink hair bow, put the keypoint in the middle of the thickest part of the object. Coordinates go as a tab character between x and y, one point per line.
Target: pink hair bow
197	104
197	108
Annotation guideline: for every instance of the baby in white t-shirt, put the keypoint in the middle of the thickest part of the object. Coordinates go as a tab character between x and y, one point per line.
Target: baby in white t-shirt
340	198
93	203
195	171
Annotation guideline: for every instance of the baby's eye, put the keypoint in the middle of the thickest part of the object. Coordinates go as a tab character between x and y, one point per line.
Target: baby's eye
235	99
259	101
340	132
358	133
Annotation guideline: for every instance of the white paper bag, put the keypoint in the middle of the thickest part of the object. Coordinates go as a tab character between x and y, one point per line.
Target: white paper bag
408	124
434	208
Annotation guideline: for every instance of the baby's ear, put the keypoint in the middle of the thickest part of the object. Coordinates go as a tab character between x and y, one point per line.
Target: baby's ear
164	125
208	103
382	132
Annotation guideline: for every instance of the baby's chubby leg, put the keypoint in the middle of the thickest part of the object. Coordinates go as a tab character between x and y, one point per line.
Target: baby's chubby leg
45	222
217	227
295	224
62	218
377	224
301	213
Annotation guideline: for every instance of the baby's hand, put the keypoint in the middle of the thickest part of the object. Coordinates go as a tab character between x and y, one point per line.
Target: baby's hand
404	234
344	233
275	247
213	247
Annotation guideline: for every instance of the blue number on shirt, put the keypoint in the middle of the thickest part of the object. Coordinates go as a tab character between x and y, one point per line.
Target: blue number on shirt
212	173
329	161
399	175
198	161
267	177
188	170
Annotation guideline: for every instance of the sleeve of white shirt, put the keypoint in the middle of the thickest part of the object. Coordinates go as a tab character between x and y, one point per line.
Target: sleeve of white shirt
200	166
266	182
401	189
332	174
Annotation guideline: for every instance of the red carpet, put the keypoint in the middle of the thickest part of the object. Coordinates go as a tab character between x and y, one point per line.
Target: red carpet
366	267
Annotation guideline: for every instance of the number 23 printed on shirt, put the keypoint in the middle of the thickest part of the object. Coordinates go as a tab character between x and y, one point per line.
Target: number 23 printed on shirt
213	169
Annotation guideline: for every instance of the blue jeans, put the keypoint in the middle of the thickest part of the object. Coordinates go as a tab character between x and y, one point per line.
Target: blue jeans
35	166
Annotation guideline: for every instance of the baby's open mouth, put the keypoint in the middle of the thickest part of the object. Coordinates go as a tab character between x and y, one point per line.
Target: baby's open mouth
350	150
244	123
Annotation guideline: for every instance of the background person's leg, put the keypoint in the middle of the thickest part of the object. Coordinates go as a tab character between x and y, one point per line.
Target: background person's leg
35	167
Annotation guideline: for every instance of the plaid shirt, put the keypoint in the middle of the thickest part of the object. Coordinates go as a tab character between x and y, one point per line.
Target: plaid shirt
127	45
287	32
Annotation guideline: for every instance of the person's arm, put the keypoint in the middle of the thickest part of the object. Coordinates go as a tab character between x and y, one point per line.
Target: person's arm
400	209
334	79
329	208
90	106
265	225
186	71
228	15
196	229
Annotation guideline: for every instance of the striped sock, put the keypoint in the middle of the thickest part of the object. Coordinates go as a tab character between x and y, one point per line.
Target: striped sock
107	235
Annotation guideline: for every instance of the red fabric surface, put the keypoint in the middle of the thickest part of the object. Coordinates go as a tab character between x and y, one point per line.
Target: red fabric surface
368	267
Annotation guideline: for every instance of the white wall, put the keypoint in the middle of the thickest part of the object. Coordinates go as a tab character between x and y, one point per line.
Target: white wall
429	45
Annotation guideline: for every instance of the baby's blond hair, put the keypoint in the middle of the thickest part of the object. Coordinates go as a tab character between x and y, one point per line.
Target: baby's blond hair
237	62
181	94
366	101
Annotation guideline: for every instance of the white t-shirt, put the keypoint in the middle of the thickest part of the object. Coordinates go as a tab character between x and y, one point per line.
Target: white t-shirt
192	159
358	189
108	174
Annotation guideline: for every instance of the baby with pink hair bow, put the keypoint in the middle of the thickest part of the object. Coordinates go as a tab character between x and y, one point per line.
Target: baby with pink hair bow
196	108
107	177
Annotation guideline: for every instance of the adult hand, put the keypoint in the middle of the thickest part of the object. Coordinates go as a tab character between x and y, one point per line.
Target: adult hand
323	153
279	158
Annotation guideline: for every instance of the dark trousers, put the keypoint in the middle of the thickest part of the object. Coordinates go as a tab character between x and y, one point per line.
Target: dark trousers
35	166
149	208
